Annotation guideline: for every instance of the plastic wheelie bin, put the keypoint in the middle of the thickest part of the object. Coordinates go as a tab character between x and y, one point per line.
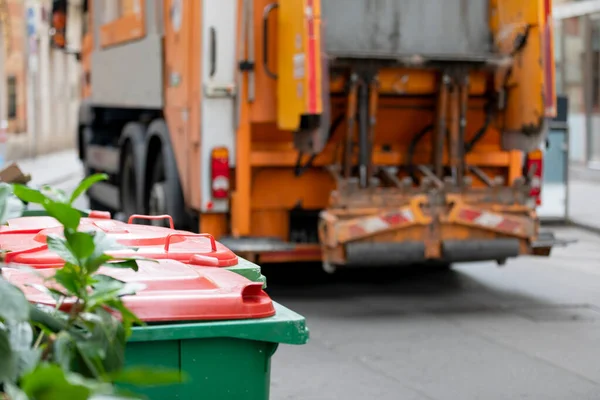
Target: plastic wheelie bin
25	239
217	327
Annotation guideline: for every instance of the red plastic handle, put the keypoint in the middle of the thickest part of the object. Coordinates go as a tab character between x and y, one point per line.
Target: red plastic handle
213	243
151	218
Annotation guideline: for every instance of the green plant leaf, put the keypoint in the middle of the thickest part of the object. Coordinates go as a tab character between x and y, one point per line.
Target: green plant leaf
107	289
57	295
68	216
14	393
104	348
93	263
105	243
148	376
20	335
69	278
61	247
64	350
5	193
86	184
13	304
127	264
128	317
8	365
54	194
81	244
47	318
28	194
49	382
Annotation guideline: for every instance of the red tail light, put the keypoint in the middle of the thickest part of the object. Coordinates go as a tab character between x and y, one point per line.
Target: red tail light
220	173
535	165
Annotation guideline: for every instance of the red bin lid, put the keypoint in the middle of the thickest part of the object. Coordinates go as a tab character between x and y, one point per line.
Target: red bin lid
173	292
27	245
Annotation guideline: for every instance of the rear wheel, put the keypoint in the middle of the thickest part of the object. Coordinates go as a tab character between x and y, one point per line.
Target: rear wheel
158	202
128	185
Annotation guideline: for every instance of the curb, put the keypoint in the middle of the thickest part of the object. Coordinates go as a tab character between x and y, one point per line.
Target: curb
589	228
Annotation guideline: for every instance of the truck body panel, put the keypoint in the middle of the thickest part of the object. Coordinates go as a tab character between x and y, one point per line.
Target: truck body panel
456	29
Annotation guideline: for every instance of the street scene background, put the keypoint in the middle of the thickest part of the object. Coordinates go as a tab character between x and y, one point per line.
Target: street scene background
529	329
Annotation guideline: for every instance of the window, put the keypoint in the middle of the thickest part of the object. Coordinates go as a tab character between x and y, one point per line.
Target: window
11	85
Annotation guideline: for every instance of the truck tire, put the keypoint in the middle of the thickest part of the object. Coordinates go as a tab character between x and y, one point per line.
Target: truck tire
163	191
128	184
131	190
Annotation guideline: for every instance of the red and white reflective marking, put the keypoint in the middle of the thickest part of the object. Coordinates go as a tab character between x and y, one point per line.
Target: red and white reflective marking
490	220
370	225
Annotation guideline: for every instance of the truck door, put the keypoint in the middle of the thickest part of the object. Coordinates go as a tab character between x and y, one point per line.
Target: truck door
217	115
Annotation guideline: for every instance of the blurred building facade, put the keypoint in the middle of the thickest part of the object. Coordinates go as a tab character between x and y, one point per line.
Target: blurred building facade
40	87
13	81
577	50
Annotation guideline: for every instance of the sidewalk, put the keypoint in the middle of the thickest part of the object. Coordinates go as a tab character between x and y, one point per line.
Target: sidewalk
584	198
53	168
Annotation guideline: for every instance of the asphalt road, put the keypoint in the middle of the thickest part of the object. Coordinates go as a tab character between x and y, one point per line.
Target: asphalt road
528	330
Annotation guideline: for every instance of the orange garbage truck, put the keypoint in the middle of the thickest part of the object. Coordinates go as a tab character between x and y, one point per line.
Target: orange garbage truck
352	132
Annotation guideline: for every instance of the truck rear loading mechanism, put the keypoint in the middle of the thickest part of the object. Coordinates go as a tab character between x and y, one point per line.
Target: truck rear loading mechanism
354	132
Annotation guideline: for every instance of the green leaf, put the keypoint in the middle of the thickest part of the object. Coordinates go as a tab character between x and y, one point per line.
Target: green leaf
102	243
107	289
105	347
61	247
13	304
81	244
8	364
93	263
5	193
69	278
128	263
64	350
54	194
105	243
14	393
86	184
48	382
128	317
148	376
48	319
29	195
20	335
68	216
57	295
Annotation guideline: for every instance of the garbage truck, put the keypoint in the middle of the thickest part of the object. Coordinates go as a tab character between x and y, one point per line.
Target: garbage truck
352	132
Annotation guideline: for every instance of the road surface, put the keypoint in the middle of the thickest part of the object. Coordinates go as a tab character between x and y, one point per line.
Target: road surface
529	330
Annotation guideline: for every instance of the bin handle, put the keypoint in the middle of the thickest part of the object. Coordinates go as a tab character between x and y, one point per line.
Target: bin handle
151	218
213	243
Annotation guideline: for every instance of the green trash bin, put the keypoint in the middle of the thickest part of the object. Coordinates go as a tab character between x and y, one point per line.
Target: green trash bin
217	327
224	360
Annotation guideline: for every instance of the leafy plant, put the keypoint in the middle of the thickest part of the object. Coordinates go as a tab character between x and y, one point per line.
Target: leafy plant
76	349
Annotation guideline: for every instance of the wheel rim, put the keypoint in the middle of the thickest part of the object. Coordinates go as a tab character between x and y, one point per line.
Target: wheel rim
158	203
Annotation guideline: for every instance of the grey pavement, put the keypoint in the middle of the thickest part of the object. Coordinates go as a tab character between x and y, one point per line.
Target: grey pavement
529	330
584	197
52	168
